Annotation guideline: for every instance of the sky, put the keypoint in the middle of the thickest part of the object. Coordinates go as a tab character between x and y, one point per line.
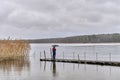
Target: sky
37	19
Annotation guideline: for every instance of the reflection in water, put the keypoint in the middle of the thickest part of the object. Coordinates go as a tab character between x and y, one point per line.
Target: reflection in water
45	66
54	69
84	68
58	72
17	65
63	66
110	71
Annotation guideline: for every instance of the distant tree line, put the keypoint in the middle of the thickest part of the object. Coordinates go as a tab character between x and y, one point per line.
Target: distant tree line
101	38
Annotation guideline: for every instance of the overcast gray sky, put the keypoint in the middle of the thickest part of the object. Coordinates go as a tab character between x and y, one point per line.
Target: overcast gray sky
58	18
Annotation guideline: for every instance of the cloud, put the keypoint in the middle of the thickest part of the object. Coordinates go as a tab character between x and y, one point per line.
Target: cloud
55	18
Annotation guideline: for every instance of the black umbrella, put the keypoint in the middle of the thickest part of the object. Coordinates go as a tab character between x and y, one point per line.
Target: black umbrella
55	45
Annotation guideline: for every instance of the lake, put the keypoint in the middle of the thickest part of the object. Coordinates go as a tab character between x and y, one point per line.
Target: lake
33	69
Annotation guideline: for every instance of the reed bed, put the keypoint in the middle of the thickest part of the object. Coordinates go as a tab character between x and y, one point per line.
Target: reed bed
13	49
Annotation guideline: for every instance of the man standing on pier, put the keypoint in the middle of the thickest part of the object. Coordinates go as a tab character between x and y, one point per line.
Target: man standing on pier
54	52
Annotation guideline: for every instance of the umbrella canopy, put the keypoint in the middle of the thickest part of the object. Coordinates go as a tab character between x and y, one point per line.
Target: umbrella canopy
55	45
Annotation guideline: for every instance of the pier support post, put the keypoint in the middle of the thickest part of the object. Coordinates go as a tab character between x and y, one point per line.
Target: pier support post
84	56
96	56
73	55
63	55
44	54
51	53
78	57
34	54
40	55
109	56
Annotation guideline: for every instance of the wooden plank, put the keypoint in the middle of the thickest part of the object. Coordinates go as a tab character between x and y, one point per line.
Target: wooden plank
108	63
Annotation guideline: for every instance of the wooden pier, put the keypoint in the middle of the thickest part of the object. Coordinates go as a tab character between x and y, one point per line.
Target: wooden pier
103	63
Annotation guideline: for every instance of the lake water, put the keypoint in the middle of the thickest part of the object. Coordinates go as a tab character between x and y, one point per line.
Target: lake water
33	69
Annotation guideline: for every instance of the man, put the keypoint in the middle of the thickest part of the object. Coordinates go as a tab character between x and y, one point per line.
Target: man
54	52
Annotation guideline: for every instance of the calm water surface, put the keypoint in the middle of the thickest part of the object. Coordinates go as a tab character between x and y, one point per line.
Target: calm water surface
32	69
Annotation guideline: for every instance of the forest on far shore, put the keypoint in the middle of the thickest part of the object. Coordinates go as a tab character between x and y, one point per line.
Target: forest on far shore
99	38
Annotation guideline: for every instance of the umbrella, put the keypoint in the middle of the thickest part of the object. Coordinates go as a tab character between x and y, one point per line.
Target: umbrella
55	45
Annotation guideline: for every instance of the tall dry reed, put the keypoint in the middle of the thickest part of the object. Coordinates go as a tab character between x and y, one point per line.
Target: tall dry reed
13	49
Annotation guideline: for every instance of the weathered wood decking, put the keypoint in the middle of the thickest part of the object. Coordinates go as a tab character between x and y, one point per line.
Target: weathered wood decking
107	63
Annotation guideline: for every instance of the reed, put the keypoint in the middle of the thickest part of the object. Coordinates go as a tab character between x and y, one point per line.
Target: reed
13	49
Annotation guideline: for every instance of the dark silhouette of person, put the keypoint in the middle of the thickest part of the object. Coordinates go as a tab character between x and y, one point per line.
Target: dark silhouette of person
54	52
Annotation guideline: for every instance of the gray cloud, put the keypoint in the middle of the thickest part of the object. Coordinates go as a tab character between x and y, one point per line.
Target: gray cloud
54	18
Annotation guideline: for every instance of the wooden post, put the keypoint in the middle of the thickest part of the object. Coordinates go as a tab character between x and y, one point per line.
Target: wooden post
110	56
34	53
63	55
51	53
40	55
96	56
78	60
84	56
44	54
78	57
73	55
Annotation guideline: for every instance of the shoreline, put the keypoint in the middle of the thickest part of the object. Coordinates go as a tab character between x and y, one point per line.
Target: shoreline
79	44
